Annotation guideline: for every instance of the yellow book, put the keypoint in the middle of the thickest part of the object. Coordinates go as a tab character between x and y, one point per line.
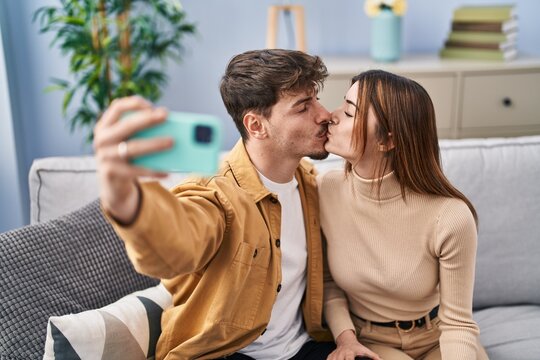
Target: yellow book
488	13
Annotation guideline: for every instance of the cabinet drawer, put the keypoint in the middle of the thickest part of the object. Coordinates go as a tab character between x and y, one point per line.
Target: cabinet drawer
507	100
441	90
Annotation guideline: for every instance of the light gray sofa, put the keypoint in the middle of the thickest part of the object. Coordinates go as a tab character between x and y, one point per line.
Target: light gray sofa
45	267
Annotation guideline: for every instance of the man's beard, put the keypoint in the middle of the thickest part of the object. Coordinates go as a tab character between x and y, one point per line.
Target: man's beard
323	154
319	156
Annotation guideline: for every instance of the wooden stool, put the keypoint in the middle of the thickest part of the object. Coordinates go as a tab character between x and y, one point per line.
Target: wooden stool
272	30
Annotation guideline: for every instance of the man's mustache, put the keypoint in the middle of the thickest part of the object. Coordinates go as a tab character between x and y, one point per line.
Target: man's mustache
323	130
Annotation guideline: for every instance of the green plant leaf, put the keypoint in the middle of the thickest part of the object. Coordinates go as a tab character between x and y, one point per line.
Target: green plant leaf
68	96
157	29
51	88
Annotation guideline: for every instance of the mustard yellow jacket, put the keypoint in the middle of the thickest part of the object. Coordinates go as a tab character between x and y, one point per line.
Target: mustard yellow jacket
215	242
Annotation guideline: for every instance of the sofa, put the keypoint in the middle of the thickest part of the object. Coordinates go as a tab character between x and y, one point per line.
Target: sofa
69	261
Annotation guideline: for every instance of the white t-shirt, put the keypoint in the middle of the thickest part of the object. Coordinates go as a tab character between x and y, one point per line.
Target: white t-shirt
285	333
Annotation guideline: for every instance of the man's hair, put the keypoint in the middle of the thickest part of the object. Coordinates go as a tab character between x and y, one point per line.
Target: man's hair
255	81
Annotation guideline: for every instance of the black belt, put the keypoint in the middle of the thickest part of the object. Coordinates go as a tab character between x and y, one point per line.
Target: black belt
407	325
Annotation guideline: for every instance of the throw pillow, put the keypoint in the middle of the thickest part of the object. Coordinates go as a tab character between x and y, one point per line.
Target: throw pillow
126	329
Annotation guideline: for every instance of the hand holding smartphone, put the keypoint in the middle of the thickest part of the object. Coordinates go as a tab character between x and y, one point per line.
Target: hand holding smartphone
197	143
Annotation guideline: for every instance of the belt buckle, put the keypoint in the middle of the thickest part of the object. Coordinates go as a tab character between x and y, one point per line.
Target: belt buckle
406	330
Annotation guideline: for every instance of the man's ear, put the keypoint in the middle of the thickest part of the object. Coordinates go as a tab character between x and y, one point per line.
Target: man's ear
255	125
389	144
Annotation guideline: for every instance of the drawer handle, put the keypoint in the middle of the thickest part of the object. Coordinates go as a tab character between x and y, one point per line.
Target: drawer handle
507	102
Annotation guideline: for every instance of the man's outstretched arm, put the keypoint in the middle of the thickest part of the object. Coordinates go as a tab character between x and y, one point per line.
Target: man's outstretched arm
165	234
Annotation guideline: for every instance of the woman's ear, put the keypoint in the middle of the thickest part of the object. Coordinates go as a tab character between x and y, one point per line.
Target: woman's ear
254	125
389	144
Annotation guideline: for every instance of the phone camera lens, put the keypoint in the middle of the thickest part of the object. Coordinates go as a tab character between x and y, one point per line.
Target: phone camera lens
203	134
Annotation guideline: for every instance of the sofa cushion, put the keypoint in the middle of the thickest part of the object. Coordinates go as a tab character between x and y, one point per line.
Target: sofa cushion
59	185
68	265
126	329
501	177
510	332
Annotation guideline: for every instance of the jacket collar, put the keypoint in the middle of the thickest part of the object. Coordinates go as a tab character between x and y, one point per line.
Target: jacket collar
246	174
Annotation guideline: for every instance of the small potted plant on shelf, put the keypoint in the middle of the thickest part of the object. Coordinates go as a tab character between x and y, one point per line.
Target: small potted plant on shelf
113	46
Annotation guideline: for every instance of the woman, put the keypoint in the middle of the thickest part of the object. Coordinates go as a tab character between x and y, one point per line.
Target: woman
401	240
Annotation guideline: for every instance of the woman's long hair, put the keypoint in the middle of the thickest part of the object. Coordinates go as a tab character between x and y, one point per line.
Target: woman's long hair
403	109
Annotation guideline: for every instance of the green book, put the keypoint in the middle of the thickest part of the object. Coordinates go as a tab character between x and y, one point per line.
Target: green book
480	45
485	13
482	36
477	54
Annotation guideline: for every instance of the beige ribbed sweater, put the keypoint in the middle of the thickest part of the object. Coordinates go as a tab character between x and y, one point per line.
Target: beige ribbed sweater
396	260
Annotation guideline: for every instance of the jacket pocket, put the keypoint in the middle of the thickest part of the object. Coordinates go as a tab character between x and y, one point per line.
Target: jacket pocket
242	291
248	254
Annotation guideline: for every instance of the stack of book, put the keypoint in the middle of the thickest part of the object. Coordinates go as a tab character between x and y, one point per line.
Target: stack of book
483	33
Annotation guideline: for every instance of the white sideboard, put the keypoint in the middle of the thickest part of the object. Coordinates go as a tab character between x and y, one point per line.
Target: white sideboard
471	98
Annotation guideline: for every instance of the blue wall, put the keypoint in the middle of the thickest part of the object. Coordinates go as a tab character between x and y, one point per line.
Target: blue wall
225	28
11	213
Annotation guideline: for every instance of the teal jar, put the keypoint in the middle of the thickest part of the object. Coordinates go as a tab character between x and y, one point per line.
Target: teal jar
386	36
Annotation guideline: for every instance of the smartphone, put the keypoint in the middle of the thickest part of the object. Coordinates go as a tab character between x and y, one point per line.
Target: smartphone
197	143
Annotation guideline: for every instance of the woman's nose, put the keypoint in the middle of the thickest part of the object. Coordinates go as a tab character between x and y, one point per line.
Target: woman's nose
334	118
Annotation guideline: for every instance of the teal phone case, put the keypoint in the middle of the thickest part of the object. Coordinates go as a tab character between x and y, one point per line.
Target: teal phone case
197	143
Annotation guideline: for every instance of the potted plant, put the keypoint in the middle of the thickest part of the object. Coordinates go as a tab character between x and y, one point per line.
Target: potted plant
113	48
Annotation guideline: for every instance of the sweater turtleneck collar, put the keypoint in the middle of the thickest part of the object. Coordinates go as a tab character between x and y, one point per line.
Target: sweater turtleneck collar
390	187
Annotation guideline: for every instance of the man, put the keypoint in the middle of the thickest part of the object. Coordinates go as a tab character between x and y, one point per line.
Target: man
240	251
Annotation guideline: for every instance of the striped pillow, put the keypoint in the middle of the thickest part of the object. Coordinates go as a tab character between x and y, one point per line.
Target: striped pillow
126	329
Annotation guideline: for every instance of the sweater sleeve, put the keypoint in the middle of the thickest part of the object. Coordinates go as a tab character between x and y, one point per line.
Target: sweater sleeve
336	306
174	233
456	248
